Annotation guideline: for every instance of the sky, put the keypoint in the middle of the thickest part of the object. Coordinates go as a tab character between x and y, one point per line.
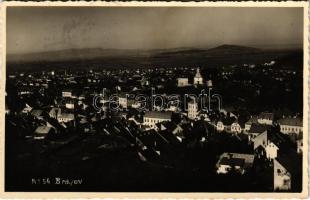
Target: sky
38	29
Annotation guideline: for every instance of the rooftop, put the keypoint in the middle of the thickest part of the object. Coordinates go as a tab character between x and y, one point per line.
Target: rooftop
42	130
266	115
291	121
258	128
157	114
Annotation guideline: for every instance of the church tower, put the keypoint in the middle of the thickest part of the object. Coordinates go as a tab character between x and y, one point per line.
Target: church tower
198	80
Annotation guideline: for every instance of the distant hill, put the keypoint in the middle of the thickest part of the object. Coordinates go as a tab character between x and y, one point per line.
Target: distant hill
233	49
212	57
72	54
97	53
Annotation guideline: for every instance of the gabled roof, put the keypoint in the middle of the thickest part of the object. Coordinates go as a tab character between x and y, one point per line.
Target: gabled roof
43	130
291	121
235	158
252	120
53	111
36	113
265	115
271	143
67	115
170	126
258	128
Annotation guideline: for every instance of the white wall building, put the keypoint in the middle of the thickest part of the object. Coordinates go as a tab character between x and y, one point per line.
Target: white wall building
65	117
220	126
192	110
151	118
299	145
67	93
271	150
198	80
290	125
182	82
236	128
70	105
265	118
122	100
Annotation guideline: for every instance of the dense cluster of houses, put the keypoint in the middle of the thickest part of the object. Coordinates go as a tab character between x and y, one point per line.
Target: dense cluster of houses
155	127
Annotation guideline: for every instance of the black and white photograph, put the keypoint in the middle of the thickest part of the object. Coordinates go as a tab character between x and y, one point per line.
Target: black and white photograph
155	99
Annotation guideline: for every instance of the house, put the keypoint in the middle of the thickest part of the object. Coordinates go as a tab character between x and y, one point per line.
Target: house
265	118
136	119
192	107
37	114
267	144
290	125
257	129
248	124
271	150
228	110
126	100
151	118
170	127
65	117
281	177
220	126
41	132
69	105
123	100
227	123
198	80
209	83
67	93
182	82
235	127
299	143
27	109
239	163
55	113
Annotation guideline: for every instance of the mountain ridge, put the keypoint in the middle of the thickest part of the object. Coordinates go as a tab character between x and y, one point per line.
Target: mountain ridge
95	53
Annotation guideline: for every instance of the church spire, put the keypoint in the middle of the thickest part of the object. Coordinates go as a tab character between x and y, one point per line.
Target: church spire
198	75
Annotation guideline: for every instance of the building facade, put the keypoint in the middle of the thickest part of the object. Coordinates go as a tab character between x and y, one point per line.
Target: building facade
151	118
182	82
198	80
192	109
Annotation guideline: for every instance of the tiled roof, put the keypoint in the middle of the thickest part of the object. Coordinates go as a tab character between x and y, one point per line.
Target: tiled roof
266	115
43	130
291	121
37	113
252	120
258	128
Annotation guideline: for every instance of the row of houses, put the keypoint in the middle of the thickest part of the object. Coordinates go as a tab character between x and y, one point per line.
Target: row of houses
256	124
243	163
